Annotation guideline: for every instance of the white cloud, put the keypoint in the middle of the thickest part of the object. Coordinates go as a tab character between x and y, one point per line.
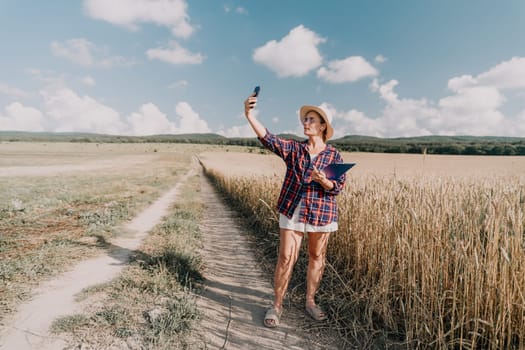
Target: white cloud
175	54
178	84
75	50
407	117
243	130
347	70
457	83
84	53
519	128
506	75
18	117
475	99
239	10
354	122
472	111
473	108
294	55
68	111
380	59
130	13
386	91
88	80
238	131
189	120
149	120
400	117
63	110
47	77
12	91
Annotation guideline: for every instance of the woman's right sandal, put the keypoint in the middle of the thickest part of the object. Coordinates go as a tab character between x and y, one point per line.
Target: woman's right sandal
316	313
272	317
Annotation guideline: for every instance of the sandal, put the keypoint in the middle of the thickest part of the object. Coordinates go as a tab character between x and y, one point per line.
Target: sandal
272	317
316	313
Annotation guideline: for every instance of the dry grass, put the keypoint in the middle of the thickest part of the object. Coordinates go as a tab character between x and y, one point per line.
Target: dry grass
151	305
428	261
48	221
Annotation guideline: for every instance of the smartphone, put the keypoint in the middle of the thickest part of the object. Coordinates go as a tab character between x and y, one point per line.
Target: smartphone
256	90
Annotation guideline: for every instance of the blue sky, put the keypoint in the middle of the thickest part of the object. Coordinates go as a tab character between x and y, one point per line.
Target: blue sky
380	67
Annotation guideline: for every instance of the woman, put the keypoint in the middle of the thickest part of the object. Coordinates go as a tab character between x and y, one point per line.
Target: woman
306	203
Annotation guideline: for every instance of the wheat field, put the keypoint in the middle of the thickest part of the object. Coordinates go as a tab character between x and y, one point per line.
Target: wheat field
429	252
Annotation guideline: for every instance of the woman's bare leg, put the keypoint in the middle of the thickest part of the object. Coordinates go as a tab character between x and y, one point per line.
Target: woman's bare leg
289	245
317	245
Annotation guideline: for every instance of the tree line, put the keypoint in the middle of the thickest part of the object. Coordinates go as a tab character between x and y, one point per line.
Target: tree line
494	148
459	145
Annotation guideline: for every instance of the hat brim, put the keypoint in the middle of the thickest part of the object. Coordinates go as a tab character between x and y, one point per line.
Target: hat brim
305	109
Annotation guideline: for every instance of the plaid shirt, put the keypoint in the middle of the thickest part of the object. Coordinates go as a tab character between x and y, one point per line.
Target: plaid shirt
320	207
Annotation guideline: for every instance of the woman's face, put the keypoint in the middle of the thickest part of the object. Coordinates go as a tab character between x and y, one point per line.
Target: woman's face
312	124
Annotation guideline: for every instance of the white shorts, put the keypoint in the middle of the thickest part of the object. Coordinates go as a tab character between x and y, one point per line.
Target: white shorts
294	224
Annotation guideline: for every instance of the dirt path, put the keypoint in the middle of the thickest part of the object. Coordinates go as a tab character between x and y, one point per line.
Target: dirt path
237	292
29	328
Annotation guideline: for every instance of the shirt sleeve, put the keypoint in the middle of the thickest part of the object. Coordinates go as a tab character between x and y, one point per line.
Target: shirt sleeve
277	145
339	183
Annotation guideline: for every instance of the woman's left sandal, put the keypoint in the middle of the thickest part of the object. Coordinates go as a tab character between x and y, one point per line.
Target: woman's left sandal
316	313
272	315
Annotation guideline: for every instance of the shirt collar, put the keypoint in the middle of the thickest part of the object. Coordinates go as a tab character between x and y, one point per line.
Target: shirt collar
304	144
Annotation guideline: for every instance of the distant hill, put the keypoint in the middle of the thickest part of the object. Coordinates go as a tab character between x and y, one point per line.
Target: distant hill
429	139
103	138
187	138
475	145
435	144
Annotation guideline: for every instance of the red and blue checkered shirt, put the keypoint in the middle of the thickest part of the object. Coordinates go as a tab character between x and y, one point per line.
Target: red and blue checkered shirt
319	205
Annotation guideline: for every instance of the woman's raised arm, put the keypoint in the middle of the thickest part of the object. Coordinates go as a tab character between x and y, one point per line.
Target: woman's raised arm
249	105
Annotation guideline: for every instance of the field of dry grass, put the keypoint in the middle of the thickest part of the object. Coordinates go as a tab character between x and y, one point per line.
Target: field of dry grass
59	203
430	250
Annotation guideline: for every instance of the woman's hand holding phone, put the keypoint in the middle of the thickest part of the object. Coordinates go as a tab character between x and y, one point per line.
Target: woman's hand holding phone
249	104
251	101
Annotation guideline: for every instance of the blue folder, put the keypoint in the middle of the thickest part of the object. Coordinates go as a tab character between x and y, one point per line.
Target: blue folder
335	170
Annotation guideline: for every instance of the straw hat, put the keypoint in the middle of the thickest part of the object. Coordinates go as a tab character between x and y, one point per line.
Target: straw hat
304	111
